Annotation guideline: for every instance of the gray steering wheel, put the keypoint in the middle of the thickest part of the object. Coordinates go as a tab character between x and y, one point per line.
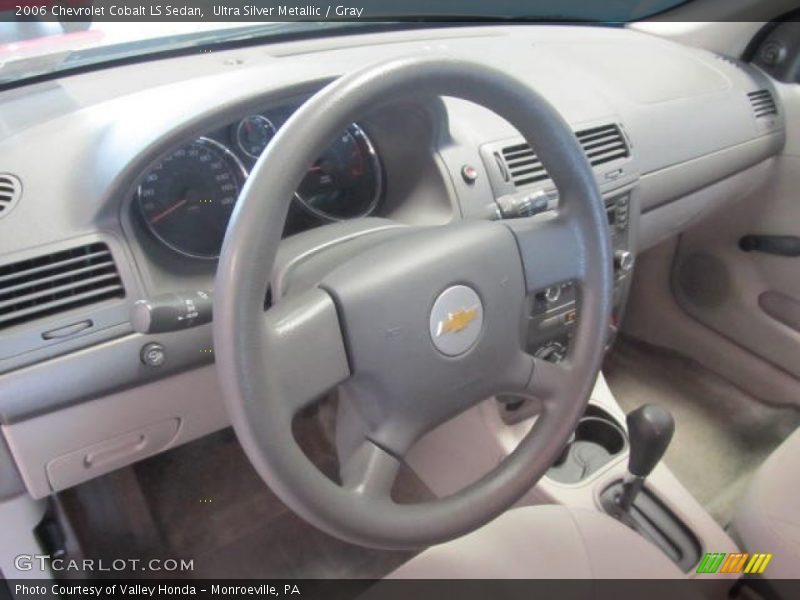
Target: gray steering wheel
425	326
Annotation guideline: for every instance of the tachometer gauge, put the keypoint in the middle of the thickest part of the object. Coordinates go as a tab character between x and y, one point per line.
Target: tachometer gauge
345	182
187	199
253	133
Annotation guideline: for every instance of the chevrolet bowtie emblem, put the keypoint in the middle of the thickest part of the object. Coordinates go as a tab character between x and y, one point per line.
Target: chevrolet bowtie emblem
459	311
457	321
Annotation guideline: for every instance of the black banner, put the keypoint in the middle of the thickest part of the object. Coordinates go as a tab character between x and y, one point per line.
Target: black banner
474	589
605	11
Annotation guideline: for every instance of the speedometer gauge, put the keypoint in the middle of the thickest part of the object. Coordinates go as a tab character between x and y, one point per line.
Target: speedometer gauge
187	199
345	182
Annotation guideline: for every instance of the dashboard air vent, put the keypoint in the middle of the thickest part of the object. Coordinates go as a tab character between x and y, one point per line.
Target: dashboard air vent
47	285
601	144
10	192
523	165
763	103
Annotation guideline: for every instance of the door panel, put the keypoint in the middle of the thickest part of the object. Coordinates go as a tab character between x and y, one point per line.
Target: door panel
753	298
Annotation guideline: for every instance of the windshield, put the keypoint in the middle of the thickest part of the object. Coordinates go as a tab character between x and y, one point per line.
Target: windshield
46	38
31	49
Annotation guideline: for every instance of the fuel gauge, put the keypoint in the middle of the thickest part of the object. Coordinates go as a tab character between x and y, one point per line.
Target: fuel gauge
253	133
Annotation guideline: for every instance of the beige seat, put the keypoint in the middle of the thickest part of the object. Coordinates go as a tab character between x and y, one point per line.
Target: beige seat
548	542
768	519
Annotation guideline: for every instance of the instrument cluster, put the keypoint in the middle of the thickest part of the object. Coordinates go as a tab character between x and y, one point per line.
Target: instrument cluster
186	199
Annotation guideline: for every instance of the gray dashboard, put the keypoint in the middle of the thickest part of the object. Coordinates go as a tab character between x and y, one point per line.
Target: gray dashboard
687	119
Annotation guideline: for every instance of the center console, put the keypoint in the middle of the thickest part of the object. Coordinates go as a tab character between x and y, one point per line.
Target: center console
522	187
555	310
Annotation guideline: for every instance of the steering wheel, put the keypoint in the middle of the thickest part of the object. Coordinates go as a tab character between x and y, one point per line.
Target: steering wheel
423	327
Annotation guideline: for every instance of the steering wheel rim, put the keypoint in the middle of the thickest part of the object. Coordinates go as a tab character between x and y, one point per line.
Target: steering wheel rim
272	364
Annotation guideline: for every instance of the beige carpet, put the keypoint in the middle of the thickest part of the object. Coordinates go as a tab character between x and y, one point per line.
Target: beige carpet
722	434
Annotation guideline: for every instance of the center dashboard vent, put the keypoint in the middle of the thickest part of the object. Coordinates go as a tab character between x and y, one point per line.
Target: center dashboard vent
53	283
601	144
763	103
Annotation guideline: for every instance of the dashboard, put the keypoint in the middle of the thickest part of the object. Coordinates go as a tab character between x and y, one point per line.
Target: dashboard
122	182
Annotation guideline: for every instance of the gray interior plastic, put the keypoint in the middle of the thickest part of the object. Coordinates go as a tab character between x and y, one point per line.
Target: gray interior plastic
367	323
10	481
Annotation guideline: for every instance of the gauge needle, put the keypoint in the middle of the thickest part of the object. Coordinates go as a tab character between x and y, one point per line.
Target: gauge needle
167	211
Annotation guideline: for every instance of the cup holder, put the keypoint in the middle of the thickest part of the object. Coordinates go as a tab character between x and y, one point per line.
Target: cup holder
602	432
596	441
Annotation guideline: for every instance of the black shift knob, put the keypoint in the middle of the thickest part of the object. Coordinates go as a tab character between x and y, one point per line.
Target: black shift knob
650	429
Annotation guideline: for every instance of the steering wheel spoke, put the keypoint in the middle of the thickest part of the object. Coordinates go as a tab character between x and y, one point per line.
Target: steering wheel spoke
550	247
304	345
370	470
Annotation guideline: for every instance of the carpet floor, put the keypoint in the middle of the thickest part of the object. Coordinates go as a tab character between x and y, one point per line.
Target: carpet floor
722	434
204	501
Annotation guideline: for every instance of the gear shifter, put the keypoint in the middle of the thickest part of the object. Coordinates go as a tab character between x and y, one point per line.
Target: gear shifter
650	429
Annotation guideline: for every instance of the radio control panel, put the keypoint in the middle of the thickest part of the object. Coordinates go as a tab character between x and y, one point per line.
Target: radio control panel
555	311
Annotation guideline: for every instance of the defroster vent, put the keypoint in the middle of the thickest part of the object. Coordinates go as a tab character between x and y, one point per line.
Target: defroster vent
53	283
